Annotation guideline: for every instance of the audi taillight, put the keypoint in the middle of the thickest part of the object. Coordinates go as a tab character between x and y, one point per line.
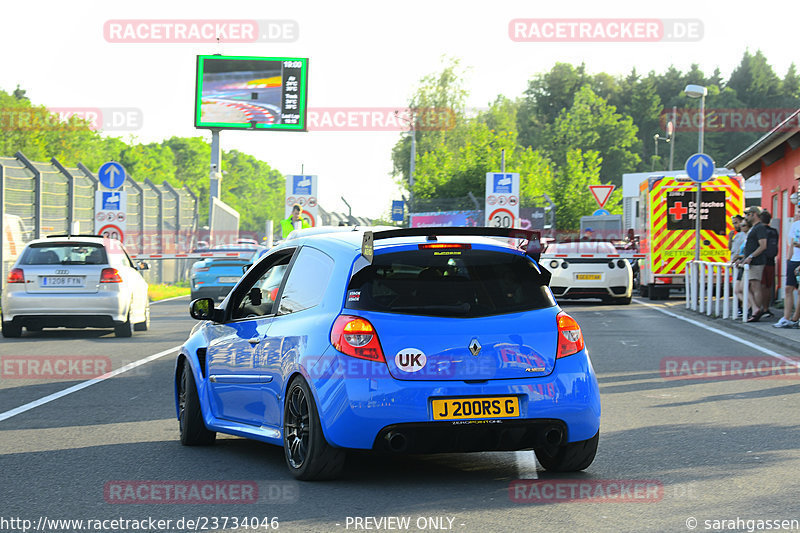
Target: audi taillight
16	276
356	337
570	338
201	269
110	275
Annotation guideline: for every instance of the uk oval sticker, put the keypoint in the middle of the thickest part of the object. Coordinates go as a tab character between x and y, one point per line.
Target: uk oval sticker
410	360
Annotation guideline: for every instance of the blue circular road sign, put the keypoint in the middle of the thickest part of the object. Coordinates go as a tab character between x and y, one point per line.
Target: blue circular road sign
601	212
111	175
700	167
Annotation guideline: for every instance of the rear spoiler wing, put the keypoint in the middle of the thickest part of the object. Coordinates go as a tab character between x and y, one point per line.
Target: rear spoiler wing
533	249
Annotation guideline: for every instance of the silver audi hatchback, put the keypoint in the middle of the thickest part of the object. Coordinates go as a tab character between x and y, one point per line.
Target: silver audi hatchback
75	282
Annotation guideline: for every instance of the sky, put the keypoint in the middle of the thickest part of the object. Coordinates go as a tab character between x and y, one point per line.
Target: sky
361	55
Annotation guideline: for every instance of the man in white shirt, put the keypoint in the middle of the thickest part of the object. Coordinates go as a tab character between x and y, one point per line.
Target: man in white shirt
790	320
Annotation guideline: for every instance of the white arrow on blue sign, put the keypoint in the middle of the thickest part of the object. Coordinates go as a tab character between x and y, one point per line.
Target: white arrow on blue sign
700	167
111	175
601	212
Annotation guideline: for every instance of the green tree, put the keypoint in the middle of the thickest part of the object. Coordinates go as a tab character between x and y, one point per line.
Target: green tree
592	124
437	108
570	189
755	83
546	96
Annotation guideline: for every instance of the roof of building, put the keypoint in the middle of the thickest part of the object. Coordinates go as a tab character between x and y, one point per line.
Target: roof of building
769	148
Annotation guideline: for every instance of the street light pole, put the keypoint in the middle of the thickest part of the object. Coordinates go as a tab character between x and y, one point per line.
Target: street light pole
698	91
411	165
672	136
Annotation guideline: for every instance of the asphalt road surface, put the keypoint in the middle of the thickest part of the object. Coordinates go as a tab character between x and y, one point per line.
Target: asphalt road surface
674	453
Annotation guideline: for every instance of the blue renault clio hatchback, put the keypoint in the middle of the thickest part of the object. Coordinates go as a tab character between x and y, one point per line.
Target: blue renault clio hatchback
398	340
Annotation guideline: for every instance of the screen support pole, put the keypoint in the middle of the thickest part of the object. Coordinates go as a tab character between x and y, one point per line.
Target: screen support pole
215	189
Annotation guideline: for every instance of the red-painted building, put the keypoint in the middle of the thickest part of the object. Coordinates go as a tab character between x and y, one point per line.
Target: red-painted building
776	156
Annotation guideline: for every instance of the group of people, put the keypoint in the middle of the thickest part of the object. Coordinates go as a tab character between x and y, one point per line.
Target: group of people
755	243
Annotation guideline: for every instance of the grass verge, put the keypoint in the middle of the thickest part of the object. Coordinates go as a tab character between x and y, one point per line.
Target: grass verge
163	291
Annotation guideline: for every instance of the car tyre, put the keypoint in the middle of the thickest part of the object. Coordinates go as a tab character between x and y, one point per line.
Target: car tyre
125	329
190	418
11	330
644	290
144	326
571	457
308	454
625	300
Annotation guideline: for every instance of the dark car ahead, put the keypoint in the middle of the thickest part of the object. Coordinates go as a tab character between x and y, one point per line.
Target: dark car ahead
214	277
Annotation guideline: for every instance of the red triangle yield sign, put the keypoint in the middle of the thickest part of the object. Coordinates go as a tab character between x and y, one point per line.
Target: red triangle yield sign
601	193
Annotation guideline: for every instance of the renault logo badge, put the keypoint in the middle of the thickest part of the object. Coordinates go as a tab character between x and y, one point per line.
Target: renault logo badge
474	347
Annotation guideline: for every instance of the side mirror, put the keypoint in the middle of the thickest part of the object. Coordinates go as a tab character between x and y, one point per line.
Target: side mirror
255	296
203	309
143	266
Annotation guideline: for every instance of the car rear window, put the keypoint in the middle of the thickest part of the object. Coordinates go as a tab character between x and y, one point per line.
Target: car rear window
459	283
581	247
67	253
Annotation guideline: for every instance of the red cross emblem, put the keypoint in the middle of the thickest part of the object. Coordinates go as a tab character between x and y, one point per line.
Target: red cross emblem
678	210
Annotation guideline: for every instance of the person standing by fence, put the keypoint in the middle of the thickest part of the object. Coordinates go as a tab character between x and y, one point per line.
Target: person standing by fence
768	280
754	249
790	319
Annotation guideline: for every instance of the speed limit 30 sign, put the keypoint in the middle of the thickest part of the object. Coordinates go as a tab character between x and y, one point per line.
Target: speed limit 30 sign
111	231
502	218
502	199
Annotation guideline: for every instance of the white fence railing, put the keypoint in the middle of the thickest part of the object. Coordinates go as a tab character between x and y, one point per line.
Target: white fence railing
710	289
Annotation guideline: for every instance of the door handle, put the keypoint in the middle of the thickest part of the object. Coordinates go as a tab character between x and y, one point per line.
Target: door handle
254	340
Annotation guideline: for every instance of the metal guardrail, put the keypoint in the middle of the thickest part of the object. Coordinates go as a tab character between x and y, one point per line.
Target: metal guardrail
711	289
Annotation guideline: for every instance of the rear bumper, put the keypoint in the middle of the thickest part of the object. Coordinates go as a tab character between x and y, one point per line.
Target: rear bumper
359	412
616	283
445	437
212	291
59	309
591	292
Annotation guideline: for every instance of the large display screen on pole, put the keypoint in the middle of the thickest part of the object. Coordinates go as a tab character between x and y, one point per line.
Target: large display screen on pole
243	92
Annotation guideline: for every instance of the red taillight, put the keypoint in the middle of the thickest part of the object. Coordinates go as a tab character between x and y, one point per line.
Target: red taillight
570	338
16	276
444	245
666	281
356	337
110	275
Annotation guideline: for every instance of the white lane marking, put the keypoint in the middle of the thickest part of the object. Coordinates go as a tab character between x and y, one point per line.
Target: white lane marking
725	334
168	299
526	465
83	385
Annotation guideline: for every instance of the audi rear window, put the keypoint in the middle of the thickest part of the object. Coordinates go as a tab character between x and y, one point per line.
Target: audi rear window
460	283
68	253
